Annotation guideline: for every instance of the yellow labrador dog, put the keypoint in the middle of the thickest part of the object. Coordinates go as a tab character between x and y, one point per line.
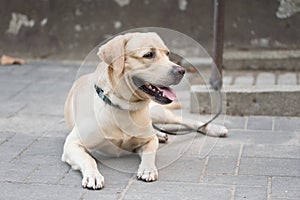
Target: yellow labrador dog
108	110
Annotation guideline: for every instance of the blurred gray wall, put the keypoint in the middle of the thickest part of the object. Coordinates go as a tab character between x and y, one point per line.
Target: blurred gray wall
69	29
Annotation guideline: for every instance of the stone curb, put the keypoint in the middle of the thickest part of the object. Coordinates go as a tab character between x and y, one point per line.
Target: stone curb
276	100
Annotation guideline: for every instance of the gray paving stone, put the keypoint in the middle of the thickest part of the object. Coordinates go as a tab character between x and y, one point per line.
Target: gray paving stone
287	123
14	146
15	173
227	80
183	170
44	109
114	179
176	190
9	90
255	193
31	159
271	151
29	124
226	150
71	178
262	137
47	146
6	136
244	80
213	147
241	180
265	78
106	193
46	169
44	88
260	123
235	122
174	150
16	72
287	79
58	70
36	75
270	167
56	89
43	102
221	165
196	147
38	192
4	70
274	198
285	187
58	132
71	76
48	173
10	109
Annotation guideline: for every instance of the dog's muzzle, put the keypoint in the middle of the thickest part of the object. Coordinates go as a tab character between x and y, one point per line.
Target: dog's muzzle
178	73
178	70
161	93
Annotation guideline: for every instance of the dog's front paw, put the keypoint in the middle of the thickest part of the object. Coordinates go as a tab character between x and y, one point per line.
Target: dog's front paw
146	173
216	130
93	181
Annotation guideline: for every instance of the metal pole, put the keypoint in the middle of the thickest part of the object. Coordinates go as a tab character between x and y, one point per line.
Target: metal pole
218	34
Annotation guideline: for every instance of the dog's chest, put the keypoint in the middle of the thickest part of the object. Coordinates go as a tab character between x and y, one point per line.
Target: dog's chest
120	137
126	143
122	130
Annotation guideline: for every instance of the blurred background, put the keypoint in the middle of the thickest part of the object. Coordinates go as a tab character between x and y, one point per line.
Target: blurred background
261	41
69	29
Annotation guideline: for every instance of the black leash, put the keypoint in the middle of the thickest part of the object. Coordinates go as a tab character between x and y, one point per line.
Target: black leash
187	130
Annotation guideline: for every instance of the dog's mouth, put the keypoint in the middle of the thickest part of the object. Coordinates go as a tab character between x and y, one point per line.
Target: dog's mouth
158	93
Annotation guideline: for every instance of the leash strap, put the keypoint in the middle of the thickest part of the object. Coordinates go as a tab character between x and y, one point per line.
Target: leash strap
186	130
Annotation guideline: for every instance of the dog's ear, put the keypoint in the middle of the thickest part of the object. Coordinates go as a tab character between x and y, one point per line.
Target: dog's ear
112	53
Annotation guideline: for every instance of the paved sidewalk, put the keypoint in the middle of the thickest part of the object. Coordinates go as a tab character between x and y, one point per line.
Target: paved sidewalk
260	159
252	77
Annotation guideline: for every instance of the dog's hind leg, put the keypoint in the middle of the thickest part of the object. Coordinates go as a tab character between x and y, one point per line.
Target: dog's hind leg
76	155
161	115
210	129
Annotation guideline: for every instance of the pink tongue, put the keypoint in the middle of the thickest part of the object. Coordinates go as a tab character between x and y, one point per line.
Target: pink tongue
169	93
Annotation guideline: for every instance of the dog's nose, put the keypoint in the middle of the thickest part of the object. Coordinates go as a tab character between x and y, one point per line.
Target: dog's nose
178	70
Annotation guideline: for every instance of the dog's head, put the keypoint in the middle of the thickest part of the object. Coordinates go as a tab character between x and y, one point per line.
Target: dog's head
144	59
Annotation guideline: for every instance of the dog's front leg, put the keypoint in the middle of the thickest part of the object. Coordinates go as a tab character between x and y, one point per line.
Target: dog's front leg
147	170
76	155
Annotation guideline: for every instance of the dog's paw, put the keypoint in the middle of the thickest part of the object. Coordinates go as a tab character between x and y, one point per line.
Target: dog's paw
162	137
93	181
147	174
215	130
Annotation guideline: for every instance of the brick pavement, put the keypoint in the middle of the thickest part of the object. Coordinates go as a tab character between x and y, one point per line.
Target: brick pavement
259	160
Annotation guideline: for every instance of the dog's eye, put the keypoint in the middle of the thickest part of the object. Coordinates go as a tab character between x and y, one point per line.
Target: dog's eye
149	55
168	53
